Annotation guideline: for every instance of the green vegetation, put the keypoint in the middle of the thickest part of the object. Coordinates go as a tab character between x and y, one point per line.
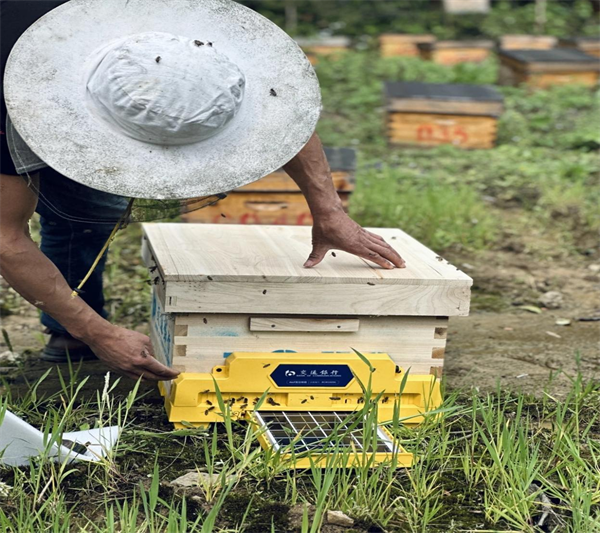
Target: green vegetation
546	161
498	462
362	18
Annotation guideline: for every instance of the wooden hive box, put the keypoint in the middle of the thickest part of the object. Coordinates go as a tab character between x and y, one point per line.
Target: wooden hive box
221	289
276	199
544	68
430	114
455	52
527	42
398	44
323	46
588	45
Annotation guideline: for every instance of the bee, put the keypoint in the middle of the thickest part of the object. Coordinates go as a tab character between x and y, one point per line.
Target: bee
208	402
267	365
272	92
361	400
158	58
333	254
244	407
312	397
155	280
304	401
198	43
205	320
152	269
386	399
439	257
206	391
240	399
271	401
209	44
208	410
209	278
223	215
370	283
256	400
334	398
265	291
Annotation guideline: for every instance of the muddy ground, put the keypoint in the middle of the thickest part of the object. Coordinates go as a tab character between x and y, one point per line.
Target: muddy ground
503	340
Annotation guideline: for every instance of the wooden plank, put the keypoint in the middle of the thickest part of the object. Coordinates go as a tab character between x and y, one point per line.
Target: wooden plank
410	341
435	129
449	299
281	182
333	325
394	45
448	107
255	207
455	56
275	254
530	42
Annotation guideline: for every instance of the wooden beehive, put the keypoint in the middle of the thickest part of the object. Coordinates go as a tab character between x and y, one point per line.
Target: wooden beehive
544	68
455	52
323	46
527	42
276	199
430	114
223	289
398	44
588	45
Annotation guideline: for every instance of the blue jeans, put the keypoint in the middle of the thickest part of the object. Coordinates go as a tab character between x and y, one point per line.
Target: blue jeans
76	221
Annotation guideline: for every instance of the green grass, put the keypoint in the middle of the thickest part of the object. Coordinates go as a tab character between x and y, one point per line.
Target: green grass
495	462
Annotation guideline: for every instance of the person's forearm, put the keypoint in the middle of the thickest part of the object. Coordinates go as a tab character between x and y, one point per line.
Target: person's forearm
310	170
37	279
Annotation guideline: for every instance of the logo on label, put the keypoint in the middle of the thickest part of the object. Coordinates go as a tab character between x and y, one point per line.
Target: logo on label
312	375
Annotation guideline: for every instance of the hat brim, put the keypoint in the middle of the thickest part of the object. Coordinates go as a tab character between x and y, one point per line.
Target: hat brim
45	98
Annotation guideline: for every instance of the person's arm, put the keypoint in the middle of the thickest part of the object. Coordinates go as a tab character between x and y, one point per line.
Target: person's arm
332	227
36	278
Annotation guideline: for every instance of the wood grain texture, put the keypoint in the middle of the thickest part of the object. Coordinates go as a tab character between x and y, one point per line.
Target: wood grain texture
305	325
258	270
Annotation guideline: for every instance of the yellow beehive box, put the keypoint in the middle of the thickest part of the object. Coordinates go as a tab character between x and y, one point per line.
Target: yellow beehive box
400	44
544	68
454	52
430	114
276	199
323	46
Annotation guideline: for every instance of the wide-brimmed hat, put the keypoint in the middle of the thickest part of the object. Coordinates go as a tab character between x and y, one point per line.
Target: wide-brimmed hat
161	99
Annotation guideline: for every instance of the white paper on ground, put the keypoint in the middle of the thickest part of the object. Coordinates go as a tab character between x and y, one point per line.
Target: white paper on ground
19	441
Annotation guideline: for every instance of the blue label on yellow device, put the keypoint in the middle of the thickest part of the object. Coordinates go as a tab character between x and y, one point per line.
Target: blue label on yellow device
312	375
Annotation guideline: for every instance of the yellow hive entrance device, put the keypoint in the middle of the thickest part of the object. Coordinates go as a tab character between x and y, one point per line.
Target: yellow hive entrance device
309	403
323	362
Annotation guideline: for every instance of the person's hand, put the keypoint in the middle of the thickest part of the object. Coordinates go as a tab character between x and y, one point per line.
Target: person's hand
130	353
338	231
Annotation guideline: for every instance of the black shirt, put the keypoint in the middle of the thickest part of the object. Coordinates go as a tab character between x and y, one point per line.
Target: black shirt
15	17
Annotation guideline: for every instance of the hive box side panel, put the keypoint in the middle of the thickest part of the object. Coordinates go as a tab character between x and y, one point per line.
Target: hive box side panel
415	343
424	129
339	299
256	207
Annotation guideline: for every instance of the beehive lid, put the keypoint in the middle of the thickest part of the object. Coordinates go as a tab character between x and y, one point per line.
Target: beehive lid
415	96
258	269
555	55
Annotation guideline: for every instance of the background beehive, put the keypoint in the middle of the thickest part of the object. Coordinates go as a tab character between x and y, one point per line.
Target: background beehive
276	199
325	46
527	42
219	289
588	45
544	68
398	44
429	114
455	52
